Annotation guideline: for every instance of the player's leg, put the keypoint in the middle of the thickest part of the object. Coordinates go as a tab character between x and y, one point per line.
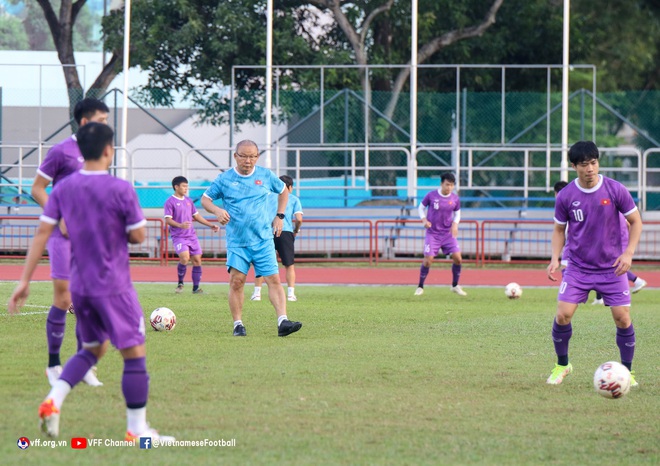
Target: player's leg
457	261
638	282
238	265
256	294
562	331
181	249
616	295
291	282
265	264
195	251
95	344
431	248
284	246
55	327
197	273
574	289
598	300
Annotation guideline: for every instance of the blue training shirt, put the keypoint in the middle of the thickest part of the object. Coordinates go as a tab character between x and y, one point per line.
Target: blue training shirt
245	198
293	206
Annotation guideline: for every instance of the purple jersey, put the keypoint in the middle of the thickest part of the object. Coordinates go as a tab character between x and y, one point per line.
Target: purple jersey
593	217
99	211
440	211
62	160
181	210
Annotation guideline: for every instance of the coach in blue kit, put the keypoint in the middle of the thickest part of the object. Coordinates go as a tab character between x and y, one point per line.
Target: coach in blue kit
244	191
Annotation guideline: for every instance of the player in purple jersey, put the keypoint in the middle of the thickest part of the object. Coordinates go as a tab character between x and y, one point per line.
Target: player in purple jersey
179	215
588	211
102	214
62	160
440	211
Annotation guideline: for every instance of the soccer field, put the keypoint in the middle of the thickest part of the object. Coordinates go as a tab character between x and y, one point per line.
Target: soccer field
375	376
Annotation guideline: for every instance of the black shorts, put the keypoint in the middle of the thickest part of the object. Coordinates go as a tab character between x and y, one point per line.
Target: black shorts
284	246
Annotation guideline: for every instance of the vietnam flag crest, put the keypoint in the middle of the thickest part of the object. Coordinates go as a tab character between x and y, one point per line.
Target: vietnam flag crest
258	182
605	202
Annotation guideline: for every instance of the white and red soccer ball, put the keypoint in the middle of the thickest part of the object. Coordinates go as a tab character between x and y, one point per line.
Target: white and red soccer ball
612	380
513	291
163	319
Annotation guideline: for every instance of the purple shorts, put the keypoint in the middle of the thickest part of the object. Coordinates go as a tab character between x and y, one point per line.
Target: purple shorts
187	244
117	317
576	285
433	244
59	253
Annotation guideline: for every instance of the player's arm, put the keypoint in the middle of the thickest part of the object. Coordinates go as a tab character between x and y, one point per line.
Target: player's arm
557	244
421	209
282	200
221	214
22	290
38	191
624	261
170	221
456	219
197	216
137	233
297	222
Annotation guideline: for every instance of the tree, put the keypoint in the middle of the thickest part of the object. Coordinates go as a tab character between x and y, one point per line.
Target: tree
62	30
12	34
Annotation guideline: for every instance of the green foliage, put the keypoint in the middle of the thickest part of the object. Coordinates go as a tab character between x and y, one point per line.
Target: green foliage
12	34
375	376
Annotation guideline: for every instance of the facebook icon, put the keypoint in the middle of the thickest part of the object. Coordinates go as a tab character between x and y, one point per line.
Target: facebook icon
145	442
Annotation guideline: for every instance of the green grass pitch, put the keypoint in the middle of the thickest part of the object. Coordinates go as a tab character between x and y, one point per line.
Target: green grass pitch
375	376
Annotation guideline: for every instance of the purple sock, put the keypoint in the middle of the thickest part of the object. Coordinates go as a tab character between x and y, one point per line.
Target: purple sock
625	340
631	276
560	336
135	383
181	271
455	274
196	275
76	367
423	273
55	325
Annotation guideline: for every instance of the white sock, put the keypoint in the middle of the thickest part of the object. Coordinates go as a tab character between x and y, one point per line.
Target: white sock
237	322
136	420
637	281
257	290
59	392
280	319
291	293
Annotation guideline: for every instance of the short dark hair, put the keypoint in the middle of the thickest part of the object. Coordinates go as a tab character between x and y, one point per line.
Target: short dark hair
93	138
178	180
87	108
448	177
559	185
582	151
288	181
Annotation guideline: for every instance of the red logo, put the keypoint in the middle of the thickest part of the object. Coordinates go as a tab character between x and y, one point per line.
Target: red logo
23	443
78	443
258	182
605	202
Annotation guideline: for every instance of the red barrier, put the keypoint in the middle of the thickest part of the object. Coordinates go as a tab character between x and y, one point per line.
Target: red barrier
403	240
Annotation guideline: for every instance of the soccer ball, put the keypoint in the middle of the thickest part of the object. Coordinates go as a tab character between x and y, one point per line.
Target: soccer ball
513	291
162	319
612	380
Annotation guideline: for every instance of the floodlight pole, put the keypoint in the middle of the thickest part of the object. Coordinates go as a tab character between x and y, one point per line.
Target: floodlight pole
269	83
564	92
412	163
122	157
